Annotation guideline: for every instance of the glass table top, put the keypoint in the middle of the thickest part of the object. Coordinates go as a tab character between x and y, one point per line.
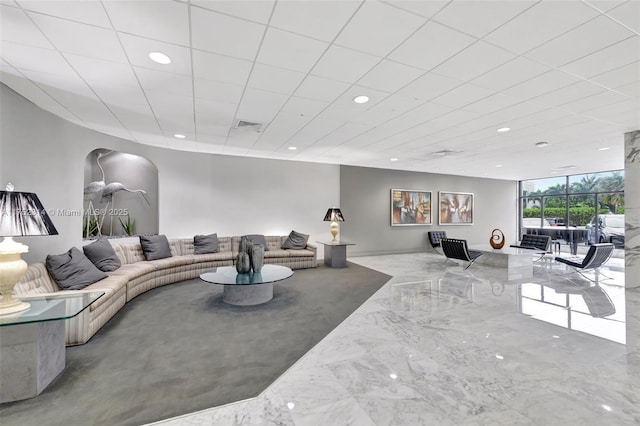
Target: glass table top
51	307
336	243
227	275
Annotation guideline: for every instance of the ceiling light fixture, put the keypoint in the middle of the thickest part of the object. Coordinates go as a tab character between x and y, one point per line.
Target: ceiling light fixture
179	136
393	159
159	58
604	148
499	165
542	144
503	129
362	99
292	148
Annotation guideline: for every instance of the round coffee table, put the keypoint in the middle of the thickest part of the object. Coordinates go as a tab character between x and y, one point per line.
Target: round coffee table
247	289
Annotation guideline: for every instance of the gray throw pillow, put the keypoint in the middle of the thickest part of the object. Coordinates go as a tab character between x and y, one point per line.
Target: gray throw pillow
155	247
102	254
205	244
296	241
257	239
72	270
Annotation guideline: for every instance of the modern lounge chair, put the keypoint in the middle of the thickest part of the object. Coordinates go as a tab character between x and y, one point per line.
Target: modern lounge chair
434	239
535	242
597	256
457	249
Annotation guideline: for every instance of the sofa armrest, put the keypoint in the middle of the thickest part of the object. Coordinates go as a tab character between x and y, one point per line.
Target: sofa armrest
311	247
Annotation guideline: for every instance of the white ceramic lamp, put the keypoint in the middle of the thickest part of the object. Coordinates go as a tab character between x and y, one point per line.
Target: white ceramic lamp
334	215
21	214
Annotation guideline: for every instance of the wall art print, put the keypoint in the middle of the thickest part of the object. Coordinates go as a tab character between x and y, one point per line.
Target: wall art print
410	207
456	208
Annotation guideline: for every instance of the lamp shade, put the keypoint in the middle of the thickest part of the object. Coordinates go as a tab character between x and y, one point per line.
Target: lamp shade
333	215
22	214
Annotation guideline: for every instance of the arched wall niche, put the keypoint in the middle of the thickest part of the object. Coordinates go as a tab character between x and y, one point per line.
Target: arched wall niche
120	195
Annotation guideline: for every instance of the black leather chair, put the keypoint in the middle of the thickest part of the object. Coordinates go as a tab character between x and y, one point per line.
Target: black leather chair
535	242
597	256
435	237
458	249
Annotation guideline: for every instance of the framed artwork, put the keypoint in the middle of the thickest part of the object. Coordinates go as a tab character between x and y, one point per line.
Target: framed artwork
456	208
410	207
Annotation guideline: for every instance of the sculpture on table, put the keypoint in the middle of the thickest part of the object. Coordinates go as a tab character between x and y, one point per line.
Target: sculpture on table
497	239
107	196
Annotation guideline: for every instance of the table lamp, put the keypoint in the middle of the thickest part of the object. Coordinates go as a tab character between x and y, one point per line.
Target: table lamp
334	215
21	214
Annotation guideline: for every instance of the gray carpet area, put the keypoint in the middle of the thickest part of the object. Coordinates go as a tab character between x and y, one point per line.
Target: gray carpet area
180	348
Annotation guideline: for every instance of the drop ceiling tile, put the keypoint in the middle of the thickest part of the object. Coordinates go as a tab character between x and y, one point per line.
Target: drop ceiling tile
343	134
595	101
423	8
605	5
373	117
315	130
252	10
463	95
483	56
542	84
480	17
628	14
429	86
304	106
632	89
620	76
32	58
568	94
607	59
396	104
16	27
540	24
322	89
389	76
211	66
123	96
274	79
378	28
331	65
152	80
375	96
81	39
493	103
291	51
260	106
426	112
138	118
161	19
321	20
218	33
240	138
339	112
213	112
584	40
87	11
164	104
118	76
513	72
421	51
216	91
138	49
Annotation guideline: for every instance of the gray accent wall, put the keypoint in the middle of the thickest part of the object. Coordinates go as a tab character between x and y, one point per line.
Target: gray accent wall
365	201
197	193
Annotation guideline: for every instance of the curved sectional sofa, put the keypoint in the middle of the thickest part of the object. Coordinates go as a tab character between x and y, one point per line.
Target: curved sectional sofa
137	275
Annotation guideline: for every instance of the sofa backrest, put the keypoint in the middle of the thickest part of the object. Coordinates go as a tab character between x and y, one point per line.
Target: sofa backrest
224	244
35	281
274	242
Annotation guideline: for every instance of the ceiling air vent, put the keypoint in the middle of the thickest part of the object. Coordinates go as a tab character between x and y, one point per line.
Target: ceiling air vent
247	125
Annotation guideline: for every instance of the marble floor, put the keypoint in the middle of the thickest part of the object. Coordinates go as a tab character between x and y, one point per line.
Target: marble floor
438	345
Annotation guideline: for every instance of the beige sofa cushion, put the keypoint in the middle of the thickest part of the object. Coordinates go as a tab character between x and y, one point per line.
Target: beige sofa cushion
109	286
209	257
134	270
277	253
170	262
35	281
300	253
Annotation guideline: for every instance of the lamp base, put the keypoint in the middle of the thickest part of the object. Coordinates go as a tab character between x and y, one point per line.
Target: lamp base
334	231
12	269
13	307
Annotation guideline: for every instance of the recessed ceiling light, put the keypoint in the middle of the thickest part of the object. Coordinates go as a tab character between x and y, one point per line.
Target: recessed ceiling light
499	165
160	58
542	144
292	148
362	99
604	148
393	159
179	136
503	129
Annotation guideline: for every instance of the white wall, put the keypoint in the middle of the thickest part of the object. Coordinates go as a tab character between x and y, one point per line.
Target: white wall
198	193
365	201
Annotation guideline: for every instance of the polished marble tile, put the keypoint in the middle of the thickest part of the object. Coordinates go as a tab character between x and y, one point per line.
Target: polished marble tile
439	345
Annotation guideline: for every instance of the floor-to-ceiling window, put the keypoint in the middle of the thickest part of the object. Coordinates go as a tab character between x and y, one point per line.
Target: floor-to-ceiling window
594	201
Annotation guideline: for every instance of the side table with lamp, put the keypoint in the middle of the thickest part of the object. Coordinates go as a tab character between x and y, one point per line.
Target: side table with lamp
335	251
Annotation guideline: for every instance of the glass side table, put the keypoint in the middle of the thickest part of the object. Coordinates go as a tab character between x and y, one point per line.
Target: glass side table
32	342
335	253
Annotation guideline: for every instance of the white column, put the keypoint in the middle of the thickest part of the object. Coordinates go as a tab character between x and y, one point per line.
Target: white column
632	208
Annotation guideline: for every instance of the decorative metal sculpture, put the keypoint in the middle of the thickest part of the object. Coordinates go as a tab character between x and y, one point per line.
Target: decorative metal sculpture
497	239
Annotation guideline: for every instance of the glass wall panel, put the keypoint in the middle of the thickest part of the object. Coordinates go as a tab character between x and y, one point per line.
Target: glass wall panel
555	210
582	208
597	182
554	185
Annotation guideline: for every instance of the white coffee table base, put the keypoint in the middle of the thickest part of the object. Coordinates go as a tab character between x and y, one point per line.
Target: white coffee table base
247	295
